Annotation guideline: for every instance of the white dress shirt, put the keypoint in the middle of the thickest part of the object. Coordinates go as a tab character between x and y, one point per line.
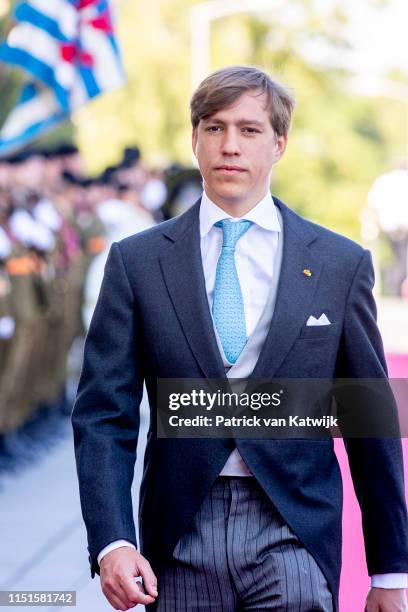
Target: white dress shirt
254	259
255	254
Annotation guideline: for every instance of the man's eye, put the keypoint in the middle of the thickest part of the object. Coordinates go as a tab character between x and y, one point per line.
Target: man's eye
250	130
213	128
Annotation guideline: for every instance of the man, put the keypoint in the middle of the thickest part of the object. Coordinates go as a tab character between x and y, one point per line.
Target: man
233	524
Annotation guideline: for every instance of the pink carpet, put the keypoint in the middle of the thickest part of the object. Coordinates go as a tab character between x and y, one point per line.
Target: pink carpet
354	580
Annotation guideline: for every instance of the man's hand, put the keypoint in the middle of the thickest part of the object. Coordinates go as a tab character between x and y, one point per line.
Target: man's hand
118	570
386	600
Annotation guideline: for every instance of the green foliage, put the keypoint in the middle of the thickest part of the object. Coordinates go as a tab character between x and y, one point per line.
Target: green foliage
338	144
152	109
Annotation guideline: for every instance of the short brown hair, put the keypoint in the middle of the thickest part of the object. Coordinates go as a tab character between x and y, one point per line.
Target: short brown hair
223	87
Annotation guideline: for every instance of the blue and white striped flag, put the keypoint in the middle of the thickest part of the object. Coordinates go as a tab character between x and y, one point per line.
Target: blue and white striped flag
69	50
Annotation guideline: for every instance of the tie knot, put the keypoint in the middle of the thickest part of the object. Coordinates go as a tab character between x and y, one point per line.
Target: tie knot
233	231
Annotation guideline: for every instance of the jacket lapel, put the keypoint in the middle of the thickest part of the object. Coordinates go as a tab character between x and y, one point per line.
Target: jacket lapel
182	270
294	294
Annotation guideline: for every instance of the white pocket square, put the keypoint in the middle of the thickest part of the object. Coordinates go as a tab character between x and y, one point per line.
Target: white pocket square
322	320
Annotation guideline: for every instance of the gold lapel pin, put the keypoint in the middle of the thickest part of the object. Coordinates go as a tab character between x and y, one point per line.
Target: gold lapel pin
307	272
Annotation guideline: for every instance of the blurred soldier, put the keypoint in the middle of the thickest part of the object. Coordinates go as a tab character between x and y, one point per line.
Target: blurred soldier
7	323
41	275
131	171
184	186
70	159
122	216
154	193
28	276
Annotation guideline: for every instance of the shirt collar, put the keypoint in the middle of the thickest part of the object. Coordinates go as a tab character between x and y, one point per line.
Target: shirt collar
263	214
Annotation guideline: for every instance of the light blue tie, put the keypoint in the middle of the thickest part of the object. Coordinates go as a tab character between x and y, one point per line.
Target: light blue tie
228	305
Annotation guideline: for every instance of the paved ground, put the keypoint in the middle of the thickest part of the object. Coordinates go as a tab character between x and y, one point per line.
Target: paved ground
43	541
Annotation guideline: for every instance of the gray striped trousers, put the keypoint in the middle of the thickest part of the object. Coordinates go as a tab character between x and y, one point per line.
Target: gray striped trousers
238	555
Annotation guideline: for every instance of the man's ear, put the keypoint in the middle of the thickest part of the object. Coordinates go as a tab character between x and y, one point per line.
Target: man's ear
194	140
280	146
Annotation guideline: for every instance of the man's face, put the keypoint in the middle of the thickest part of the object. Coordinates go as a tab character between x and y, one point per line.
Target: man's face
236	149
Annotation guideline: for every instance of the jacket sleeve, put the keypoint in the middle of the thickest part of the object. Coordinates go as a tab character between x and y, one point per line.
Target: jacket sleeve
106	416
376	464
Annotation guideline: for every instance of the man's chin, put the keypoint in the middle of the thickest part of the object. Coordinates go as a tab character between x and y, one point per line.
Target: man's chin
229	198
231	193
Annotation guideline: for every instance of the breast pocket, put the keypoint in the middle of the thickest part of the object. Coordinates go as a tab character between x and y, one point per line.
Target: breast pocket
319	331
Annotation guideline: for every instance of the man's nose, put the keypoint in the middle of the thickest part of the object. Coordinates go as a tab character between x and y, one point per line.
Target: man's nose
230	143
